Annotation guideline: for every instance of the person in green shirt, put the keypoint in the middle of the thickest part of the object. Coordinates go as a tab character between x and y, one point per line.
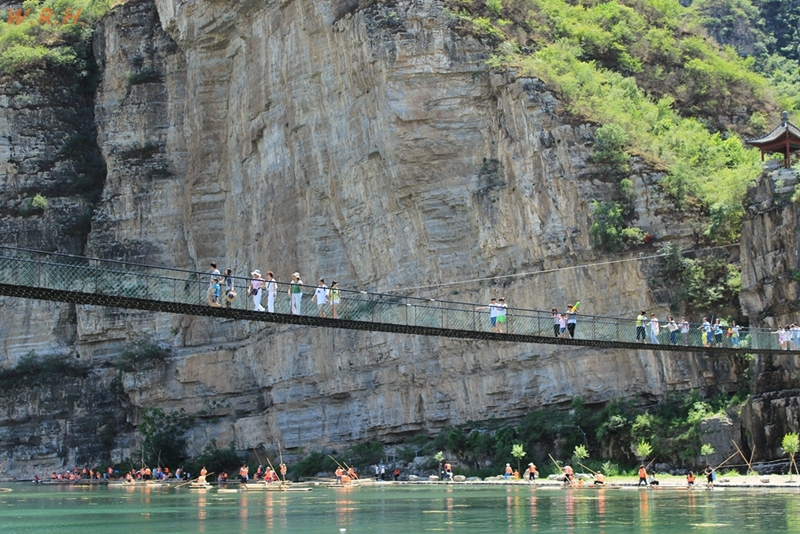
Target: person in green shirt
640	330
296	293
335	298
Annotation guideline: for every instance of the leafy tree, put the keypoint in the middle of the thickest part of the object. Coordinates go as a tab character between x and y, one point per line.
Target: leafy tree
580	453
643	450
164	436
611	141
790	445
517	452
706	450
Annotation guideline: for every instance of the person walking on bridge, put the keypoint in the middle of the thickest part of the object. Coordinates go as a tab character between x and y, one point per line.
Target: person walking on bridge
272	289
640	329
230	294
296	294
493	311
572	321
212	295
685	331
256	286
321	294
502	309
654	329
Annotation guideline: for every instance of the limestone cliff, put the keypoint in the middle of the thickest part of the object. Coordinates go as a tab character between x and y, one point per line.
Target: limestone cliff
369	145
770	249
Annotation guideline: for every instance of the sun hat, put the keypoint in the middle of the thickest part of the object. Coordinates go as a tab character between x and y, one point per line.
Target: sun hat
296	275
256	273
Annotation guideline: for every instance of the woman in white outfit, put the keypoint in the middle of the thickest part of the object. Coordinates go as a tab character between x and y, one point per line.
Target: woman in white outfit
256	284
271	291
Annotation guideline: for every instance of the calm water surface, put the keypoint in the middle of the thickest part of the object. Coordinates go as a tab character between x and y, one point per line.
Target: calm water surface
396	510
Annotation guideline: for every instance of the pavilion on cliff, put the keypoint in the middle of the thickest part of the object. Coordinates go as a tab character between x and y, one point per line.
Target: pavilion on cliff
784	139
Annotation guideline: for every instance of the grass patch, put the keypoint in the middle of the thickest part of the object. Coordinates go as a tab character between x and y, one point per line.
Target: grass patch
34	371
141	355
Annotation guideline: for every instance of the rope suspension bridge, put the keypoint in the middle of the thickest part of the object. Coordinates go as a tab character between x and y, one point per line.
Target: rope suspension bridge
40	275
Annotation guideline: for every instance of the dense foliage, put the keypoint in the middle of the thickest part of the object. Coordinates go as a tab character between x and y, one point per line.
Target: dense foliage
648	69
33	371
606	439
163	437
49	35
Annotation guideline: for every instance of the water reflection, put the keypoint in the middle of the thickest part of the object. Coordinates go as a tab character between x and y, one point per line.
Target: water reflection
459	509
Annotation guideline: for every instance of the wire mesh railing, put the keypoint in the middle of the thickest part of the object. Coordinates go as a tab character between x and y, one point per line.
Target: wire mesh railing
60	272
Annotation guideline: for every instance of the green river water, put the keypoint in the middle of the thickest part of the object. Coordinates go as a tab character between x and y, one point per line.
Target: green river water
396	510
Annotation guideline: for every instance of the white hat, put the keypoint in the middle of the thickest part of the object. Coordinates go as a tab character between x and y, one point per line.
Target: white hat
256	273
296	275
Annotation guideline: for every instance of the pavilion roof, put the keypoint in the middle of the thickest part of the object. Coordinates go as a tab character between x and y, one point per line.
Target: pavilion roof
776	139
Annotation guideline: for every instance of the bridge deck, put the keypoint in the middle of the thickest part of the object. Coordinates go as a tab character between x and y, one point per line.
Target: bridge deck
62	278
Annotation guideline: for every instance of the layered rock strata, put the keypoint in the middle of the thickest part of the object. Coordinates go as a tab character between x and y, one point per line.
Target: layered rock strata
373	146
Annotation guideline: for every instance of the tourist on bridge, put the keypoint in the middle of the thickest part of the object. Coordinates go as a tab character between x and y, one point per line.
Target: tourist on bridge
493	311
734	330
230	294
502	308
296	294
212	295
706	328
272	290
685	331
256	286
562	325
336	299
321	295
572	320
640	330
654	329
673	331
556	322
717	333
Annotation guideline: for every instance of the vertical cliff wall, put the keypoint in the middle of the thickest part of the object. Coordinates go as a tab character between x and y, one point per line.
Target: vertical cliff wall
770	251
373	146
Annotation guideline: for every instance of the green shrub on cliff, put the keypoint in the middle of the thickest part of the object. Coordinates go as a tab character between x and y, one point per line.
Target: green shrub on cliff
34	371
49	34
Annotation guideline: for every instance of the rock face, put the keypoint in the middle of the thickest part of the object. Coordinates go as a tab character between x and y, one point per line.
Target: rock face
370	146
770	249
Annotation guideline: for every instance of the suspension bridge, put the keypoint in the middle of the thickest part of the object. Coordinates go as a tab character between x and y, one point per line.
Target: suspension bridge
41	275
